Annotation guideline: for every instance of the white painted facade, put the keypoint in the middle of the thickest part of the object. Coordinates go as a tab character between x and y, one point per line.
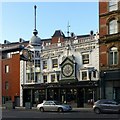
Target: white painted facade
77	47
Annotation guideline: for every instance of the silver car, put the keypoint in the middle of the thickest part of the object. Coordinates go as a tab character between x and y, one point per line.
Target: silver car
105	105
53	106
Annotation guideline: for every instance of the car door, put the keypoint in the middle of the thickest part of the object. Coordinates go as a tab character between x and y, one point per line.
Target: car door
47	106
105	106
113	106
53	106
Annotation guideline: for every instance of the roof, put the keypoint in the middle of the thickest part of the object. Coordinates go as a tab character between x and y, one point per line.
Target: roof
58	33
35	40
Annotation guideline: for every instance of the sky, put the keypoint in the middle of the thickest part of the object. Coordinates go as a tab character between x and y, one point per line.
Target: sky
18	19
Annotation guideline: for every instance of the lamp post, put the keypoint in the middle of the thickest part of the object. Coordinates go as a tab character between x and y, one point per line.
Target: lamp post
92	84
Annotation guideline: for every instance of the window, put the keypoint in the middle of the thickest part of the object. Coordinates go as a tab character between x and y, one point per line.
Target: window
44	78
54	63
113	56
37	76
113	5
58	77
84	75
53	78
37	63
37	54
94	74
6	68
85	58
113	26
44	64
6	85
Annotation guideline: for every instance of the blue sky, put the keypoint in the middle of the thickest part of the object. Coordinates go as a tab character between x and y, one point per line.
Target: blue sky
18	19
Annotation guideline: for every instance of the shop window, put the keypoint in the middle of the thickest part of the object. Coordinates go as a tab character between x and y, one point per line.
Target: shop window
6	68
53	78
113	5
44	64
44	78
54	63
85	58
84	75
113	56
113	26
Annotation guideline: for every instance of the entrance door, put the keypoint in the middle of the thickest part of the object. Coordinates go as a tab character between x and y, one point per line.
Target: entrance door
117	94
80	98
17	101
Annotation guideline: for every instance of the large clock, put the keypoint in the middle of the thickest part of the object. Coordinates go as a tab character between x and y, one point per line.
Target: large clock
25	53
67	70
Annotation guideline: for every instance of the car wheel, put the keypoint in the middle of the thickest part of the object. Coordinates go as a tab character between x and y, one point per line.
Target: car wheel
42	109
97	111
119	111
60	109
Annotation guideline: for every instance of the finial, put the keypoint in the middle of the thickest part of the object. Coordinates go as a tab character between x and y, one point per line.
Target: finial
35	32
68	29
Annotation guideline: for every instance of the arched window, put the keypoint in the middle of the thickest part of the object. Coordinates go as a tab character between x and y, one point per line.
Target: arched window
113	26
113	5
113	56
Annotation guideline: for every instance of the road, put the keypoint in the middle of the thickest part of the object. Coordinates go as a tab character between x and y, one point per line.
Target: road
73	115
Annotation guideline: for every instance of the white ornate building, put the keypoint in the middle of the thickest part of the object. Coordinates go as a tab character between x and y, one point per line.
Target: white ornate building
60	68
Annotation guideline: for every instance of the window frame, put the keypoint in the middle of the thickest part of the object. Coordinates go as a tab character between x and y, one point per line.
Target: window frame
112	60
52	78
84	77
113	26
44	64
7	68
45	80
55	63
85	58
6	85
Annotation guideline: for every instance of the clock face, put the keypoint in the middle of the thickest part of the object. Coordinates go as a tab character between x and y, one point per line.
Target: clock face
67	70
25	53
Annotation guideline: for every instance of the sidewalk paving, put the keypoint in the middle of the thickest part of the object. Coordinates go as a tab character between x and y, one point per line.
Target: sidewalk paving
73	109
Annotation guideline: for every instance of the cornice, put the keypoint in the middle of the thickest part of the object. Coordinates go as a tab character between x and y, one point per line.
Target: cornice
110	13
110	38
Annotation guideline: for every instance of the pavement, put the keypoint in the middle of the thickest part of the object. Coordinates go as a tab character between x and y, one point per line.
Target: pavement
73	109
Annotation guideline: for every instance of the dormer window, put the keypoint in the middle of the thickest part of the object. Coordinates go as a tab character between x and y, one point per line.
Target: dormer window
59	40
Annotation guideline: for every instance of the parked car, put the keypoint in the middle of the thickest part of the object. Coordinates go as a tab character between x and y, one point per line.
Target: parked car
105	105
53	106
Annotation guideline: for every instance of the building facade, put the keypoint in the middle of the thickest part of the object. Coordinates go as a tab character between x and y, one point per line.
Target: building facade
109	30
10	65
60	68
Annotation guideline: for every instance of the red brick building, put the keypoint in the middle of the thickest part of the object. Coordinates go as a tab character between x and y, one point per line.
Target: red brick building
109	28
10	65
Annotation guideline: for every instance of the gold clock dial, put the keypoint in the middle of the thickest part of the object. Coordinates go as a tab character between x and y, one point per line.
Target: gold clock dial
67	70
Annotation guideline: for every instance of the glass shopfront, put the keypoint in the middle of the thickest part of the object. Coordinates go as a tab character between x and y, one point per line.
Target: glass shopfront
73	95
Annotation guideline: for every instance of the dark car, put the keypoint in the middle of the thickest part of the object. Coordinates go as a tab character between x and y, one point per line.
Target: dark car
105	105
53	106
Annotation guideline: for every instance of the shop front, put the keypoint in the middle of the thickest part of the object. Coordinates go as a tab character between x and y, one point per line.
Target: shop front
76	94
